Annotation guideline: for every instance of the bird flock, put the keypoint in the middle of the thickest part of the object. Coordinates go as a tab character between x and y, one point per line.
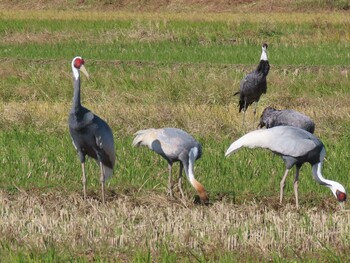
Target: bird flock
288	134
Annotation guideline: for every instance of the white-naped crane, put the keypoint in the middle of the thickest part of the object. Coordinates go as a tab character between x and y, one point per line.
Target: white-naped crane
272	117
174	145
296	147
90	134
254	84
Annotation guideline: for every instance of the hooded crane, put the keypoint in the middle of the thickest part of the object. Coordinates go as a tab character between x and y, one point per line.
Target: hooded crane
296	146
272	117
254	84
90	134
174	145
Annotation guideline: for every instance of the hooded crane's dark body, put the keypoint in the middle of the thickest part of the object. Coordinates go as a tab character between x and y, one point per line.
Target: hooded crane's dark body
272	117
90	134
93	138
254	84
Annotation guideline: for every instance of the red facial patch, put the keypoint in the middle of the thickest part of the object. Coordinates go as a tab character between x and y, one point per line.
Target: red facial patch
341	196
78	62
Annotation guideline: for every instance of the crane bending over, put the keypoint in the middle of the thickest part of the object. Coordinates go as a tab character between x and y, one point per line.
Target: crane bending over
90	134
272	117
296	146
254	84
174	145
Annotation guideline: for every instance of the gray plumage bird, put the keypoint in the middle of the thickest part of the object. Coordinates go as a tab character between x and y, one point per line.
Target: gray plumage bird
90	134
174	145
272	117
296	147
254	84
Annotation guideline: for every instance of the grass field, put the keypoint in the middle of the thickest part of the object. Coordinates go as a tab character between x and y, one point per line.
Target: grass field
159	68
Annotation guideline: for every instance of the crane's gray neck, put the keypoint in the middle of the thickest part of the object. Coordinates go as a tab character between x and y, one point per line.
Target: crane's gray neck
76	97
263	68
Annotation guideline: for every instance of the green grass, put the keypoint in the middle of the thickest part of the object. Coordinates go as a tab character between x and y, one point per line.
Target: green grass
233	42
186	53
37	163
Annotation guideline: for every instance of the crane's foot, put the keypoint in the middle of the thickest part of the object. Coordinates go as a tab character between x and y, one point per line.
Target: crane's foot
199	201
170	192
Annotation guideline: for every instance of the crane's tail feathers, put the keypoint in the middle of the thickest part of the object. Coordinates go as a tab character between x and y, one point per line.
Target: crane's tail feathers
141	137
252	139
234	147
108	172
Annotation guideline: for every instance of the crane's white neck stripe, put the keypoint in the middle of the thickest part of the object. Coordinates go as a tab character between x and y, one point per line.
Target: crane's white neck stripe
332	185
317	172
76	73
318	168
263	55
192	157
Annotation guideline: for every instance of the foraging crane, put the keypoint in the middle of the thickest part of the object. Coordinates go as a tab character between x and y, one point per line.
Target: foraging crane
272	117
296	146
174	145
254	84
90	134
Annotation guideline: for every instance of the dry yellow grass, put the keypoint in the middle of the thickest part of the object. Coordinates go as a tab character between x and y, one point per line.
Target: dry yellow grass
181	5
144	220
203	119
256	17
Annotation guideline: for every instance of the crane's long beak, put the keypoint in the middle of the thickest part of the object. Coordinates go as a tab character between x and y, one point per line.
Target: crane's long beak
83	69
342	205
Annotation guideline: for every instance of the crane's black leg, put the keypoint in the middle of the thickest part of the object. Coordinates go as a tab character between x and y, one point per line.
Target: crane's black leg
102	180
283	184
244	110
180	181
296	185
83	179
256	104
170	180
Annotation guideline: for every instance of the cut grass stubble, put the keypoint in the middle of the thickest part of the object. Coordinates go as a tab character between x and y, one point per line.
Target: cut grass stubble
45	220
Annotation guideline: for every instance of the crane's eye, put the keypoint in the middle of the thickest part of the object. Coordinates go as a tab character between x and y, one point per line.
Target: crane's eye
341	196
